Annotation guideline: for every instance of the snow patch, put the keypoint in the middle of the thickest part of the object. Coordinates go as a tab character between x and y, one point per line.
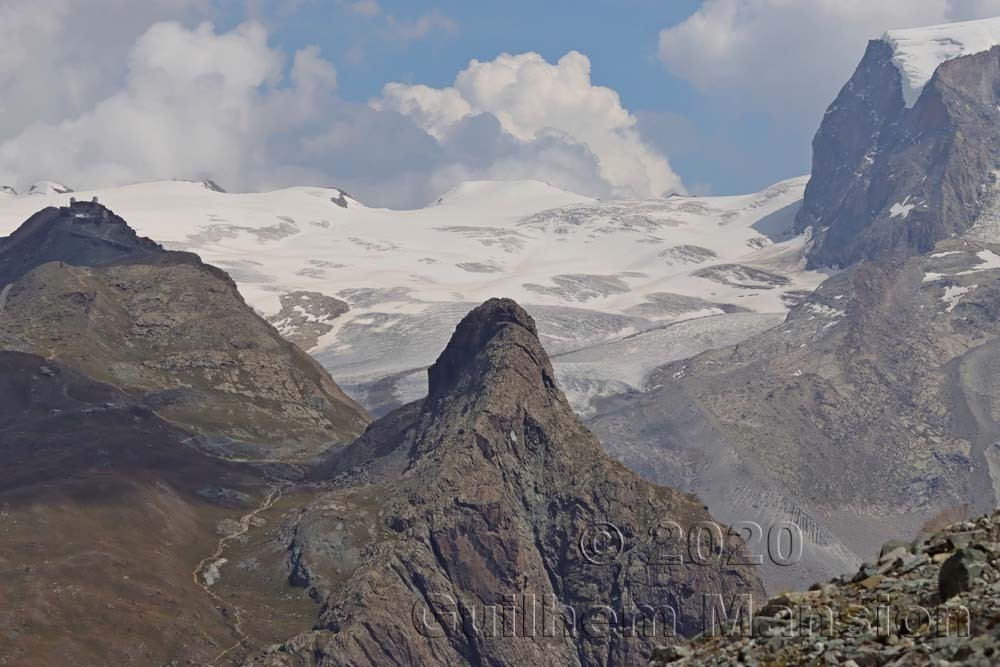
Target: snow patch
592	273
825	311
917	52
48	188
901	209
954	294
991	260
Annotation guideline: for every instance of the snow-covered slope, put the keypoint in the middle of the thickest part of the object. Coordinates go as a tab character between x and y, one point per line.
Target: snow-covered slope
48	188
917	52
591	272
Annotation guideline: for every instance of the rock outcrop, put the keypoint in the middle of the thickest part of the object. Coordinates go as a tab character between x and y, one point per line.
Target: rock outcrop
484	525
889	613
891	181
168	329
306	316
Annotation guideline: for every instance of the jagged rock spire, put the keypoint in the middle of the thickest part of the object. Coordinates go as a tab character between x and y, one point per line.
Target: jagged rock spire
498	335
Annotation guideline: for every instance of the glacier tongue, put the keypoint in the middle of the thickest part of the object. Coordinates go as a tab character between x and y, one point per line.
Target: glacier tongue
917	52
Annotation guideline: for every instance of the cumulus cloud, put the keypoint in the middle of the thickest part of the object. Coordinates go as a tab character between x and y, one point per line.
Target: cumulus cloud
60	57
533	100
191	104
198	103
789	59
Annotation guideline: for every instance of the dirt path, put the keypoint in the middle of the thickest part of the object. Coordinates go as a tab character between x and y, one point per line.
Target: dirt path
207	571
3	298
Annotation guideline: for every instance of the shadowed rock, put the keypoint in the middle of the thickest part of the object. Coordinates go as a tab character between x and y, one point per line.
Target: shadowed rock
890	181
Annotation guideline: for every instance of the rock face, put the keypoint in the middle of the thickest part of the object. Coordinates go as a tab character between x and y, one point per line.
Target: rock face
169	330
871	410
888	613
891	181
456	516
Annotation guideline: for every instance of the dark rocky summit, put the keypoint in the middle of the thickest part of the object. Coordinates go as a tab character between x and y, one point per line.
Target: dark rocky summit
82	234
83	287
484	497
891	181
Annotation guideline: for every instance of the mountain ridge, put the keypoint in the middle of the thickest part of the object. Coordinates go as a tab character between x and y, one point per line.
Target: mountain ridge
168	328
590	272
891	181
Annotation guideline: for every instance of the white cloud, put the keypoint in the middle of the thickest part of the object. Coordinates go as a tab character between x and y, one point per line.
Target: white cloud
59	57
401	29
194	103
789	58
197	103
532	99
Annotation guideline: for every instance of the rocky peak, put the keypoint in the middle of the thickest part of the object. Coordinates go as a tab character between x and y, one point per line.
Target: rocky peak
80	284
209	184
81	234
491	342
890	179
488	488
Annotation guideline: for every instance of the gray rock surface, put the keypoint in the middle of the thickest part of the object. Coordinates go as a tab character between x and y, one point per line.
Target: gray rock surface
869	412
895	617
489	494
888	181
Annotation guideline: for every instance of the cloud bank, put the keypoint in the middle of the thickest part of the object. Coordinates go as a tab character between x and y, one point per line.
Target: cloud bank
60	57
533	100
200	103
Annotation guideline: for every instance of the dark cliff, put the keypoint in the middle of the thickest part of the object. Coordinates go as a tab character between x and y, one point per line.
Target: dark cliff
891	181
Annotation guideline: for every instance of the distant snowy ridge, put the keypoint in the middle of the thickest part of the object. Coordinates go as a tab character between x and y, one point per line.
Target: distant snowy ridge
48	188
917	52
374	293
